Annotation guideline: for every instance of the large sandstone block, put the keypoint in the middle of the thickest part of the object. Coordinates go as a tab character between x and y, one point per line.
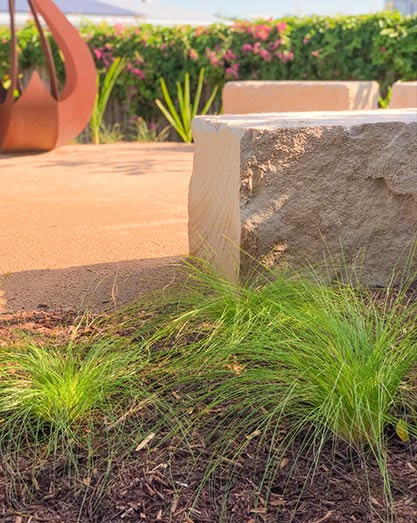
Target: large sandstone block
404	95
288	96
293	189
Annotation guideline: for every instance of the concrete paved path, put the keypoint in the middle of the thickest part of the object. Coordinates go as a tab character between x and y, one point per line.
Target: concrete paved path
91	226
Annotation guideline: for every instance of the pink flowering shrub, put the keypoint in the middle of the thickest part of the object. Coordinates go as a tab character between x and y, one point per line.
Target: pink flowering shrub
379	47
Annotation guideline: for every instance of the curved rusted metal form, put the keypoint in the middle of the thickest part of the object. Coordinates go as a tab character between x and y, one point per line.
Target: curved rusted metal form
38	118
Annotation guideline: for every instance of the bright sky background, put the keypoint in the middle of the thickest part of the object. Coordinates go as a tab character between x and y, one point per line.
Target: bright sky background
276	8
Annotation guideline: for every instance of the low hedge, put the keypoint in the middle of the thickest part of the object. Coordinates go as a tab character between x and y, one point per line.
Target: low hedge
380	47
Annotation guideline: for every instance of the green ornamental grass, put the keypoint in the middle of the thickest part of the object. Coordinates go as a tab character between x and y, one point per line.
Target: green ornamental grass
291	359
70	412
64	388
297	358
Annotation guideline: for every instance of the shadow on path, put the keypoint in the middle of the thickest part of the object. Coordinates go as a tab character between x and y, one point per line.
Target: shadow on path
98	288
131	159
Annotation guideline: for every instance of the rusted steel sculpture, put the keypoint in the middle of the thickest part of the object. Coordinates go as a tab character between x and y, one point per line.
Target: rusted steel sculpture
39	119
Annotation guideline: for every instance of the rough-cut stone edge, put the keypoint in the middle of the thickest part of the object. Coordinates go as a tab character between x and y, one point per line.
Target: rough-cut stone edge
215	224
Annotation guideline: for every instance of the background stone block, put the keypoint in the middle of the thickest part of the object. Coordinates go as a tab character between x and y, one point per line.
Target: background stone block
287	96
404	95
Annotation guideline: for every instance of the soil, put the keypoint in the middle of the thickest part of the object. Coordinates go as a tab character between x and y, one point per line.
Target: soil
159	483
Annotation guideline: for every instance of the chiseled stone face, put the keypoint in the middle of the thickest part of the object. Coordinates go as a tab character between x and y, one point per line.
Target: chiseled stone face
404	95
288	96
298	189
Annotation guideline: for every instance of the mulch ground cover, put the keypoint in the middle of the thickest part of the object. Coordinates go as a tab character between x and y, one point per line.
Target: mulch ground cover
164	483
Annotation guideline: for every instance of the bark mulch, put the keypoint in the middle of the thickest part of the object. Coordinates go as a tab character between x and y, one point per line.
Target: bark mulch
164	483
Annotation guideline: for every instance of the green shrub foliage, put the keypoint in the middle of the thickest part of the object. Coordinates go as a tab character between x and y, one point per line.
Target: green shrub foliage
380	47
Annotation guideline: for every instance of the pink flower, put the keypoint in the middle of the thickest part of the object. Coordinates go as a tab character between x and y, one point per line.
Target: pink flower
262	32
119	28
257	47
266	55
137	72
281	26
315	53
383	49
98	54
272	46
286	56
200	31
232	72
247	48
212	57
306	40
229	55
193	54
240	26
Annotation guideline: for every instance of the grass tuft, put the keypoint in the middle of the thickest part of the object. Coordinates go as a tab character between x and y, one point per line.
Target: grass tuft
296	358
62	387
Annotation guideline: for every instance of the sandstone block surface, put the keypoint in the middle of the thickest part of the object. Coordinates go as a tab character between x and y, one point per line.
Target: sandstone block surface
288	96
404	95
296	189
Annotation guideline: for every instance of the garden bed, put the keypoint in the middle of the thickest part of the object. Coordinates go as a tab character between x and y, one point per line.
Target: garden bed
160	485
160	476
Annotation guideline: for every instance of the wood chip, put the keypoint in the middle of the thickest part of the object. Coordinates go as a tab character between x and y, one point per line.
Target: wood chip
284	463
325	518
276	503
86	481
174	506
145	442
260	510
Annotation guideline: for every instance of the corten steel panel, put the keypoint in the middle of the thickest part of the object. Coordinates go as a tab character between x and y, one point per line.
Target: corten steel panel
40	119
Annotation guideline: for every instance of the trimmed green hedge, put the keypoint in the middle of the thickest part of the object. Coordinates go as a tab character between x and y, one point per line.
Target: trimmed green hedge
380	47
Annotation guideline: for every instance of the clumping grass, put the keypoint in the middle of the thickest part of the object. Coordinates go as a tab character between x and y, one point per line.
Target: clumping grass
295	357
57	403
62	387
72	415
256	367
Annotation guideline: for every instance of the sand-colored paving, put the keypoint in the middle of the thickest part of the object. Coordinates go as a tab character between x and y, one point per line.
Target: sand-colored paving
91	226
